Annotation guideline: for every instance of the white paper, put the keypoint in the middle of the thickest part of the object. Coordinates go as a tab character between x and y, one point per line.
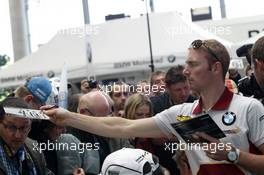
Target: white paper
26	113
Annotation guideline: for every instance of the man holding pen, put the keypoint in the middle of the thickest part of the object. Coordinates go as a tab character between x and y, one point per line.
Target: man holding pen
206	66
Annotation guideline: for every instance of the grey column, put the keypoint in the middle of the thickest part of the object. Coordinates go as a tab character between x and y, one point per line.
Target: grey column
20	28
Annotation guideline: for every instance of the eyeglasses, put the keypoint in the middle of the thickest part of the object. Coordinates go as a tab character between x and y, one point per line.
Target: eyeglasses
196	44
86	111
14	129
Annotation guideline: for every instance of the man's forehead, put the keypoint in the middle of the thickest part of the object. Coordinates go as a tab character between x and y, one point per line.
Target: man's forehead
120	88
85	104
194	56
160	76
16	120
84	81
85	100
191	61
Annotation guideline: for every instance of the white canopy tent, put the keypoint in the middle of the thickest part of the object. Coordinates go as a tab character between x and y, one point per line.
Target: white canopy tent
251	40
117	47
237	63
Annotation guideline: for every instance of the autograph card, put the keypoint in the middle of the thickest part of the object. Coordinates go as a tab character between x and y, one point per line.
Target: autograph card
26	113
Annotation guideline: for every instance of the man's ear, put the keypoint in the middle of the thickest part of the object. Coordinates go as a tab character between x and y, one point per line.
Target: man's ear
167	88
28	98
81	111
217	67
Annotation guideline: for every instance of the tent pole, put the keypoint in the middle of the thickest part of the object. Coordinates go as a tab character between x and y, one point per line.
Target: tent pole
149	38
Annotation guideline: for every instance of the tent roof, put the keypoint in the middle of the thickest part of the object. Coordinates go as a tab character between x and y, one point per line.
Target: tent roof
251	40
119	42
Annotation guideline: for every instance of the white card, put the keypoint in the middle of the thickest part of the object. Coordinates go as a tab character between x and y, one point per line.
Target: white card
26	113
236	64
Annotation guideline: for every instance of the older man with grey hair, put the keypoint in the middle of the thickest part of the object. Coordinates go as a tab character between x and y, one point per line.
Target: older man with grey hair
97	103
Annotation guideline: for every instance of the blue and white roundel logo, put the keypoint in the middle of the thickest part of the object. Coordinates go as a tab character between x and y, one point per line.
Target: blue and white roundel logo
171	58
229	118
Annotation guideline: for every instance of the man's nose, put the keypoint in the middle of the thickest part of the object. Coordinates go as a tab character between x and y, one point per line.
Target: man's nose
186	71
18	134
185	92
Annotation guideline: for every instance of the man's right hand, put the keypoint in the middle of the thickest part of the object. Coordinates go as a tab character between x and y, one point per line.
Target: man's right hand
57	115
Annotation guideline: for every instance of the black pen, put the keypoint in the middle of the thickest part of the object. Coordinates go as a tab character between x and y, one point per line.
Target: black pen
51	107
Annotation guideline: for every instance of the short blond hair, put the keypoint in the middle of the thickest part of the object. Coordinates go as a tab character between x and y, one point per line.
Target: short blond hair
135	101
21	92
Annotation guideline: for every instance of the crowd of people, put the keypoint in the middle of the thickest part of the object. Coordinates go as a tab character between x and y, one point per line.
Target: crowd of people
122	130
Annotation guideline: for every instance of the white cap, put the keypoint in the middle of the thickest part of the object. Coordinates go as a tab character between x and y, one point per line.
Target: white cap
128	161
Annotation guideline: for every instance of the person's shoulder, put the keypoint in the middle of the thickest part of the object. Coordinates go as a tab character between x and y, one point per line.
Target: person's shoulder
118	143
185	106
32	146
246	101
161	101
30	142
160	97
68	138
37	156
180	109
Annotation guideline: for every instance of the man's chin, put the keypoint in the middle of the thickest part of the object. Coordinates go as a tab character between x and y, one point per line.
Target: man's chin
193	88
121	107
